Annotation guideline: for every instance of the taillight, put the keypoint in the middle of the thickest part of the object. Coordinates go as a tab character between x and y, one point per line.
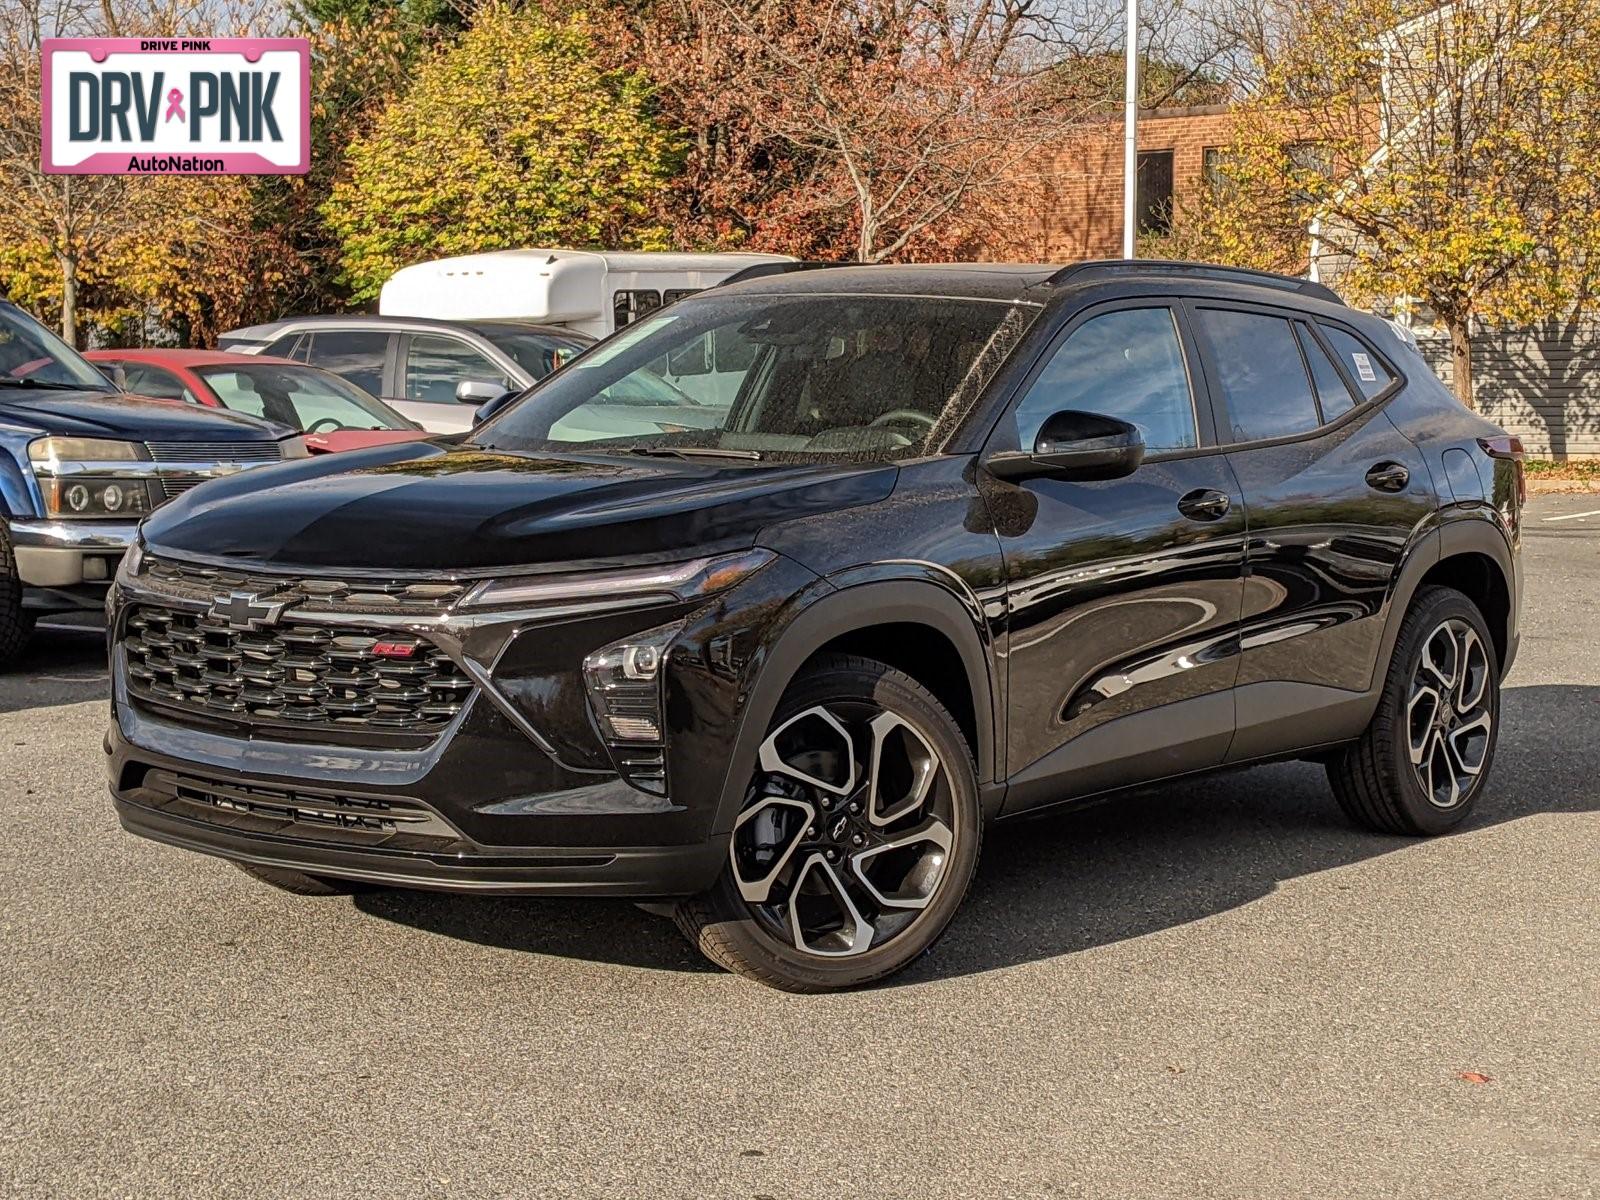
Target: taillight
1509	447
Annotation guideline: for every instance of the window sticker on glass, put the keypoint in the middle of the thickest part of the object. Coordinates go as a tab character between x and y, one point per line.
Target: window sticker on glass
1364	368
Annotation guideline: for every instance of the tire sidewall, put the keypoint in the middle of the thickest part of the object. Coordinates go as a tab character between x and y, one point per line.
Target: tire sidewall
892	692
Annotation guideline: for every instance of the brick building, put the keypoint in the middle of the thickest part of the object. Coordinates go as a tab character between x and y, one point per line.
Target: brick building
1075	207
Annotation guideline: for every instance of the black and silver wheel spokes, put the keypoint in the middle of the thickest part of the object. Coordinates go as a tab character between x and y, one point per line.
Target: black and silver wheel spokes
1448	713
846	833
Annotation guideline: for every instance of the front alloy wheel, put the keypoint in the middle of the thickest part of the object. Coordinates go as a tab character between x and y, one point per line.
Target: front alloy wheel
857	839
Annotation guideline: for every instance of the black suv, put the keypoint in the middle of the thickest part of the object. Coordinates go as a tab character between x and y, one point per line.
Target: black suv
971	541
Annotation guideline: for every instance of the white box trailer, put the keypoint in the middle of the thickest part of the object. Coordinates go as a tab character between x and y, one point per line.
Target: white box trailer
595	292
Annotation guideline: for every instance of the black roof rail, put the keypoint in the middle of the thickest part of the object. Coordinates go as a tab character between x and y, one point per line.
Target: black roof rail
760	270
1084	272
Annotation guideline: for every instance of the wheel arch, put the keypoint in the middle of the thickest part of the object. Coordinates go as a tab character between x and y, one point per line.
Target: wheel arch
1472	555
918	627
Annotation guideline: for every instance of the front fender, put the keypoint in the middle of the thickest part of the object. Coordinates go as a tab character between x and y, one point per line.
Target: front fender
19	491
856	600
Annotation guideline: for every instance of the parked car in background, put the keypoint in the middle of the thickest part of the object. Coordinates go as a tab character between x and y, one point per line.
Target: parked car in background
81	464
436	373
333	413
973	541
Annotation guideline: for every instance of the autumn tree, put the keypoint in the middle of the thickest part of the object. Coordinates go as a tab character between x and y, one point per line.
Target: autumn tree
1435	155
514	136
913	111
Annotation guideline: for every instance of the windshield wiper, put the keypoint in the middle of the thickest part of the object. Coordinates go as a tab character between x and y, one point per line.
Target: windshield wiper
694	452
47	385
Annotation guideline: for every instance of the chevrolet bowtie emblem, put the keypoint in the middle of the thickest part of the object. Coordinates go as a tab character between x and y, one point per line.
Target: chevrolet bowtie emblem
247	610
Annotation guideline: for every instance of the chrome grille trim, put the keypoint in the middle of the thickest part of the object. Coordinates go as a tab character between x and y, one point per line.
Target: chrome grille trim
319	595
183	465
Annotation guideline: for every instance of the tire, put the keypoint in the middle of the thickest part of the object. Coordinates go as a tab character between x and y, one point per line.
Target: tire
899	845
1378	781
16	624
302	884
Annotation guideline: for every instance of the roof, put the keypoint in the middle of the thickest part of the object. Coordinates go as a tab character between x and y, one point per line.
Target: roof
977	281
185	358
623	260
374	320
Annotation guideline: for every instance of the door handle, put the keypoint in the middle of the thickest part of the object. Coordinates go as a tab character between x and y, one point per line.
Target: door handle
1204	504
1388	477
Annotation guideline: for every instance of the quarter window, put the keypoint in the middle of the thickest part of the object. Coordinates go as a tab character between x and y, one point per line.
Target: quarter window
1365	367
1126	364
1332	392
353	354
435	365
1261	374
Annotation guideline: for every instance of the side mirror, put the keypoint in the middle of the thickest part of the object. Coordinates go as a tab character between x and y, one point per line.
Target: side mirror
1075	445
489	407
479	391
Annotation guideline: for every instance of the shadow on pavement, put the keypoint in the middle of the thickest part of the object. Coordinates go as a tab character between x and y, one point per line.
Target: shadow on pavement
62	664
1140	863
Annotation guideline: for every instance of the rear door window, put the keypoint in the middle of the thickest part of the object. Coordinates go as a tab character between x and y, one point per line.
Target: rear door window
354	354
1365	367
1260	374
435	365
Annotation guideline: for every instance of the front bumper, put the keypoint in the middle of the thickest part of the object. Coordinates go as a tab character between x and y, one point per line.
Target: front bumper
515	794
249	816
65	565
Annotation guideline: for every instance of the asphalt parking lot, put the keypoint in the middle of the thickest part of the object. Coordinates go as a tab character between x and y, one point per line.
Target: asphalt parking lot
1216	990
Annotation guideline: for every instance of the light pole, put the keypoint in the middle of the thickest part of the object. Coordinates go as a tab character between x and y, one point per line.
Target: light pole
1130	135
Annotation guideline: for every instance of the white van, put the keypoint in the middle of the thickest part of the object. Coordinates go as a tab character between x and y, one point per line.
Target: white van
595	292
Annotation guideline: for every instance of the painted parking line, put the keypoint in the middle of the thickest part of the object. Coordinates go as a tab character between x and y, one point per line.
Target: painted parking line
1593	512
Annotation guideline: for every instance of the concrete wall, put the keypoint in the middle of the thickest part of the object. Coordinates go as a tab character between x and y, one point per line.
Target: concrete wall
1541	383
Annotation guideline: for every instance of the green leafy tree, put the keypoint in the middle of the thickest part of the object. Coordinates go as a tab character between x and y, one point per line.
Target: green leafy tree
515	136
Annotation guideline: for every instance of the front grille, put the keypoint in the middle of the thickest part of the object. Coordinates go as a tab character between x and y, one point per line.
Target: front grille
172	457
297	674
204	584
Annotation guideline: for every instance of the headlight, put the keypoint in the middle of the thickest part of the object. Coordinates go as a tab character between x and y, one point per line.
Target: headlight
624	682
625	587
295	447
85	478
48	454
132	562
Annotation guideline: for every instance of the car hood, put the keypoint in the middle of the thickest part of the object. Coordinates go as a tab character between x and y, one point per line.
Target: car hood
437	507
131	418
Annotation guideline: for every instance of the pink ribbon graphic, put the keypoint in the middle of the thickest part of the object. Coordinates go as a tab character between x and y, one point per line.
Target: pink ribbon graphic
175	106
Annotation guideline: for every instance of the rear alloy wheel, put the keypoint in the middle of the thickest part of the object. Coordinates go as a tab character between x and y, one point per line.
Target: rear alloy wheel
857	839
1420	765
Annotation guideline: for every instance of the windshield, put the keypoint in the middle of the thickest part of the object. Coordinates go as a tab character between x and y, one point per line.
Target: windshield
815	377
30	355
536	353
303	398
